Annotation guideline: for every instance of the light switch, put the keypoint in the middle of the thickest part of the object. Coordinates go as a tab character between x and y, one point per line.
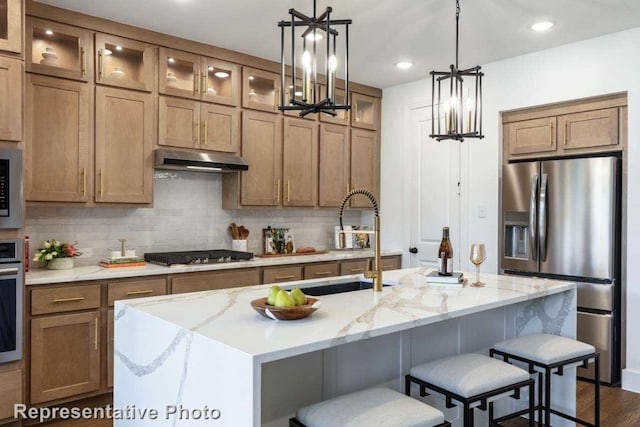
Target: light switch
482	211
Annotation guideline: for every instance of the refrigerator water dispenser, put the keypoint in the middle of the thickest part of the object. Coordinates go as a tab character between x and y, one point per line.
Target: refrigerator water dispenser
516	241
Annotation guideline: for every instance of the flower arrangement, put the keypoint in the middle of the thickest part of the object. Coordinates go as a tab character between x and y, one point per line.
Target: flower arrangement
52	249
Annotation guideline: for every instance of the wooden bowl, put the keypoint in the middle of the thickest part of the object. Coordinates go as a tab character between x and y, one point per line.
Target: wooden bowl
284	313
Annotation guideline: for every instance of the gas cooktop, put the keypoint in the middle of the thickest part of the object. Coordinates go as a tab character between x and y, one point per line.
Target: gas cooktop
214	256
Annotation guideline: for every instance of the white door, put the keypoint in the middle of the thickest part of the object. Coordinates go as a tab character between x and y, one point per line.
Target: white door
436	190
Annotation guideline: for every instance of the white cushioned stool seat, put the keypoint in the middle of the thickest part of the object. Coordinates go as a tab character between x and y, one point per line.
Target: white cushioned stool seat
468	375
371	407
545	348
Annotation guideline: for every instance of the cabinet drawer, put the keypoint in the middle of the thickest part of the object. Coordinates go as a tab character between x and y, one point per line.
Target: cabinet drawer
197	282
354	267
136	289
10	392
391	262
71	298
317	271
281	274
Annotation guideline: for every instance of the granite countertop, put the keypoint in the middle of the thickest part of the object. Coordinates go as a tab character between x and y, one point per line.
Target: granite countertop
226	316
78	274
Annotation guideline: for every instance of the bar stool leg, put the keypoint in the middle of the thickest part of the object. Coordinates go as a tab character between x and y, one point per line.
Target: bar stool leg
597	390
547	397
540	403
468	416
531	404
407	385
491	424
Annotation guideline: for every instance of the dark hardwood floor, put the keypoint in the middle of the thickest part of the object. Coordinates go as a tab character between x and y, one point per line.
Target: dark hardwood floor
619	408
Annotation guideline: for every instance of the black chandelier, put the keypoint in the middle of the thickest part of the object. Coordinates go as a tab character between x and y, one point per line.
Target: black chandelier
456	114
310	99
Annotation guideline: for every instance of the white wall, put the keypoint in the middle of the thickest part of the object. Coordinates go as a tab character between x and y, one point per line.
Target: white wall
598	66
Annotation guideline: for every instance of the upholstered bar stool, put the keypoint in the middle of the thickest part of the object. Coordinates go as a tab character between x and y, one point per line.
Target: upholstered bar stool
472	380
549	354
371	407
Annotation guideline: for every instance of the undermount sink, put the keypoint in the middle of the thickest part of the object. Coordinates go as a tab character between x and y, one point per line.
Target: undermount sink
338	288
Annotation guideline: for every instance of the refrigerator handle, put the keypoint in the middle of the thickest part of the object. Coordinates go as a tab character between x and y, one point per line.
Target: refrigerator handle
542	222
533	203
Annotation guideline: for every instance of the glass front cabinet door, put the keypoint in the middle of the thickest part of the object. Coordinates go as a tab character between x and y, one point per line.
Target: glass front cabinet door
58	50
125	63
260	90
365	111
220	82
179	74
11	26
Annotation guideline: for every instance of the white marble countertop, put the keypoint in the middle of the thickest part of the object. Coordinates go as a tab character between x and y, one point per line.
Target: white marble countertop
78	274
226	316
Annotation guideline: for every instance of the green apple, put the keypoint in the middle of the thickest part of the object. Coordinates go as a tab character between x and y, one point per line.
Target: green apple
298	296
283	299
273	292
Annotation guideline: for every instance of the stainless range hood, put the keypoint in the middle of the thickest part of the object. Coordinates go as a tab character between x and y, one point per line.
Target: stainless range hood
199	161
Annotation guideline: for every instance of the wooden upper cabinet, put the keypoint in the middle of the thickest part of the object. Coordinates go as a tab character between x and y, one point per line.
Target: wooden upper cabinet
179	73
65	356
531	136
11	25
365	165
300	163
125	63
58	50
365	111
220	82
588	129
125	126
295	93
333	165
10	99
261	185
342	116
57	140
260	90
220	128
179	122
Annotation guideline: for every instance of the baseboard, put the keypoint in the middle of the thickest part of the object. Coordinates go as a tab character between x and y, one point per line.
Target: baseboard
631	380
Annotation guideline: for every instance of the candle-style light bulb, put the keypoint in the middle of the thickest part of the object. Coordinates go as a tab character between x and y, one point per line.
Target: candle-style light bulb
331	81
454	114
469	106
446	106
306	75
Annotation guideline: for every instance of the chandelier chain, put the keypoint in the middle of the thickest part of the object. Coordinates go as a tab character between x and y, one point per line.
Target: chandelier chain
457	32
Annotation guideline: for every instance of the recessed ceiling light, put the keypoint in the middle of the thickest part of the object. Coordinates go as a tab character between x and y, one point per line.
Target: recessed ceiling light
542	26
251	77
221	74
118	48
48	32
403	65
107	52
171	60
210	68
312	37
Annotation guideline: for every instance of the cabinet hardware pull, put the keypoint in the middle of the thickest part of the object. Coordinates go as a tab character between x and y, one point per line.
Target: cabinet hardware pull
355	113
83	60
83	178
195	84
551	132
288	191
205	137
277	91
203	84
100	63
101	182
357	270
278	192
95	336
72	299
197	123
284	277
145	291
322	273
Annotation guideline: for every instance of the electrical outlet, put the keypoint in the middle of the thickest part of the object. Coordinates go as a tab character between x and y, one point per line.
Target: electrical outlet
86	252
482	211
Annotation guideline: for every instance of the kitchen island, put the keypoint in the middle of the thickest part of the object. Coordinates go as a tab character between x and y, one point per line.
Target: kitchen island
208	359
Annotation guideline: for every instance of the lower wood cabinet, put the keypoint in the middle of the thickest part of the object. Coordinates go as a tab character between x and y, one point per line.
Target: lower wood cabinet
354	267
65	355
392	262
10	392
321	269
281	274
221	279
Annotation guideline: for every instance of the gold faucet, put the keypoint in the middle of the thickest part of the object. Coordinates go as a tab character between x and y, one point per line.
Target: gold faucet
376	273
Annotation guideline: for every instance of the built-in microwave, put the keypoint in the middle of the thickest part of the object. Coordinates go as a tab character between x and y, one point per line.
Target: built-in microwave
11	300
10	188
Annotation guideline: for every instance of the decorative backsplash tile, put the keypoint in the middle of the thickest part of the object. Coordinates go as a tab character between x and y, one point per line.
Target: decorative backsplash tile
187	214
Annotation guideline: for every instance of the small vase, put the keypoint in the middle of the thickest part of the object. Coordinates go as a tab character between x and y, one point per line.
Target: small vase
60	264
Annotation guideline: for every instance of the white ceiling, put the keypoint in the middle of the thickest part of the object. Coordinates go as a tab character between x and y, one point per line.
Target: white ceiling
383	31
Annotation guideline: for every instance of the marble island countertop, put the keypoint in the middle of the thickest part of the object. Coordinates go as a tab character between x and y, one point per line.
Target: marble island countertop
226	317
94	272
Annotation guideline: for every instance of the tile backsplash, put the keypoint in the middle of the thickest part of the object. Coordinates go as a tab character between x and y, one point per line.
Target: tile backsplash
187	214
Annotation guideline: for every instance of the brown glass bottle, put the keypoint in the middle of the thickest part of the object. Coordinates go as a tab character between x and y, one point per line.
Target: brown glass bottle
445	254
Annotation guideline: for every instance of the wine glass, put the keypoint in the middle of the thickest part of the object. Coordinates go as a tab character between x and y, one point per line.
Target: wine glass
477	256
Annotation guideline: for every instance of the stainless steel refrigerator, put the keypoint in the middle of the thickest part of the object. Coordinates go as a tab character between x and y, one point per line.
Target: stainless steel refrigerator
561	219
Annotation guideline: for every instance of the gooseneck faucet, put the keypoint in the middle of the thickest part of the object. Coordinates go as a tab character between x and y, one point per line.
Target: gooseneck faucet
376	273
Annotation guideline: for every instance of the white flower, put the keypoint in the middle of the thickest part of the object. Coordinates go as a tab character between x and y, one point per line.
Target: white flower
43	251
36	258
54	242
47	245
54	253
48	257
